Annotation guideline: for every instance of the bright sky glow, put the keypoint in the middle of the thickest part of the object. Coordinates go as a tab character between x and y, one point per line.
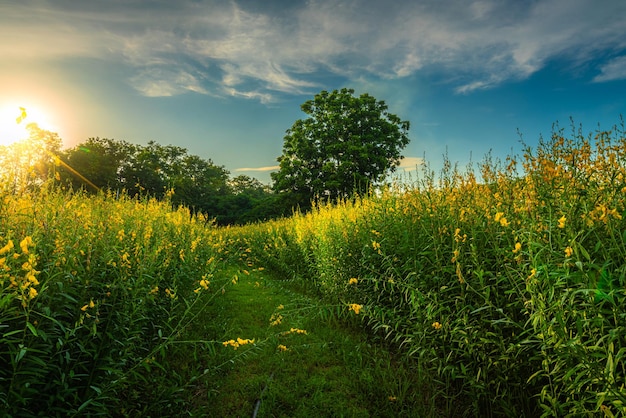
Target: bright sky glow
225	79
13	122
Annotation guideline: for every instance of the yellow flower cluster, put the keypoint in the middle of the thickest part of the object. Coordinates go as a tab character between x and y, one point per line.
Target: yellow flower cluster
356	308
204	284
25	284
91	304
276	319
295	331
436	325
353	281
458	237
237	343
499	217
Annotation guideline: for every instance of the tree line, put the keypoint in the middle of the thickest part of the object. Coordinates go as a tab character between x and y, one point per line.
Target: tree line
158	170
346	145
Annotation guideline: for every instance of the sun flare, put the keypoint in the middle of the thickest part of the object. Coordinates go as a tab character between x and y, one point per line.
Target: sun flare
14	120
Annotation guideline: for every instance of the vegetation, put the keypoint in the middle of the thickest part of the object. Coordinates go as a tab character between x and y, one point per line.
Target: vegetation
345	146
156	170
456	296
509	293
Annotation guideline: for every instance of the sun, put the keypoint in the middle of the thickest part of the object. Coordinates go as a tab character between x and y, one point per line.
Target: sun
14	120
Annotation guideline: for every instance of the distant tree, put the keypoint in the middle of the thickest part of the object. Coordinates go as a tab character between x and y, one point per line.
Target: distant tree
150	169
250	186
97	160
346	145
200	185
155	169
249	201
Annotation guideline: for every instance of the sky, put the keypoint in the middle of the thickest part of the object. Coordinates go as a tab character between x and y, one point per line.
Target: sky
225	79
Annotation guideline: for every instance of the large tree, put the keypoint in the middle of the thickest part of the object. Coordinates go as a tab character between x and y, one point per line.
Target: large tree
346	144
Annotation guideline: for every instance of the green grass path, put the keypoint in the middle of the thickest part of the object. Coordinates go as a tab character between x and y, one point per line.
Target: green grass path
331	370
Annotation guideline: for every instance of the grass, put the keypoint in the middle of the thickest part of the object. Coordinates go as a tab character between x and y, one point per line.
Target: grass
309	364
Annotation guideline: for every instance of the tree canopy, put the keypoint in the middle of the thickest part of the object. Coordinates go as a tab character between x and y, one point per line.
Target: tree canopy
346	145
155	170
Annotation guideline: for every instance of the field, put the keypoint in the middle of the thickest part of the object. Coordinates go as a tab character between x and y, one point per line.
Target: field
500	288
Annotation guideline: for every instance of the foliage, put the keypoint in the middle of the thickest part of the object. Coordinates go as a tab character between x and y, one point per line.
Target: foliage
506	294
94	290
166	171
510	292
346	145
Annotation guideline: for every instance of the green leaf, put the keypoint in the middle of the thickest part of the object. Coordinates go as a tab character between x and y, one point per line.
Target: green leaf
20	355
32	329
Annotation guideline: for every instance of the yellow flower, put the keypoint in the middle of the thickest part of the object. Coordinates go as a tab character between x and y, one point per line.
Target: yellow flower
500	218
276	319
282	347
353	280
562	222
517	248
569	251
84	308
375	245
436	325
32	292
356	307
25	243
8	247
238	343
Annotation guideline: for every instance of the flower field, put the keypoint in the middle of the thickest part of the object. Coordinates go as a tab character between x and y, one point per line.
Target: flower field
508	292
506	285
93	290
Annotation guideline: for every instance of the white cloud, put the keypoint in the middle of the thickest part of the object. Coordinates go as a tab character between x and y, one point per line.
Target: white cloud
161	82
612	70
268	168
215	47
411	163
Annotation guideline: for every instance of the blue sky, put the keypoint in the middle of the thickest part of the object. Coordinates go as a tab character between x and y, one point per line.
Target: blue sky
225	79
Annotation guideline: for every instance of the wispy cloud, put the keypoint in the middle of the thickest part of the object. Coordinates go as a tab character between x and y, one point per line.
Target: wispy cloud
262	52
411	163
268	168
615	69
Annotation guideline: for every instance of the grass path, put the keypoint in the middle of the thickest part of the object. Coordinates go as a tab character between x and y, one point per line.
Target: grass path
303	361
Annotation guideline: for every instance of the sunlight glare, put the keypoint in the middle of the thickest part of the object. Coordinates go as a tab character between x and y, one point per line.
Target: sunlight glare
13	122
